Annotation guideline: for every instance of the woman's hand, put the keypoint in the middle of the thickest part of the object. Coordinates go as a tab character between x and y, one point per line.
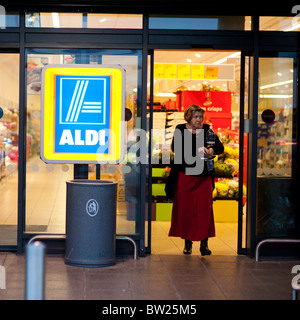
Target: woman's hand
210	151
204	150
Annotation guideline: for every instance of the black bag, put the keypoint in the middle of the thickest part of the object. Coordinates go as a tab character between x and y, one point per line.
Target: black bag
171	183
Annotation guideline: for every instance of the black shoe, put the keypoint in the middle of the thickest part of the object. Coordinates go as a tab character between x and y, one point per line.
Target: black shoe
204	248
188	247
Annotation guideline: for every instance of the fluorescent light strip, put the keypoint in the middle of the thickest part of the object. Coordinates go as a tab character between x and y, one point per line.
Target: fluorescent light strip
55	19
276	84
275	96
295	26
166	95
236	54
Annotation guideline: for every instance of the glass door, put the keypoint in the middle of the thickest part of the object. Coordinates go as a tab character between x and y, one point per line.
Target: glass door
269	153
46	183
9	139
276	147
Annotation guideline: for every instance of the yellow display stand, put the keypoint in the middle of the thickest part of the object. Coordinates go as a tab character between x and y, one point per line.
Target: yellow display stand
224	211
163	211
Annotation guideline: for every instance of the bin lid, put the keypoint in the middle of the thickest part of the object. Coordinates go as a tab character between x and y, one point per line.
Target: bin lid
92	182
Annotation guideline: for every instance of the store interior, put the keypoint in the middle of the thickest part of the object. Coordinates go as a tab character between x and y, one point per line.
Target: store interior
181	77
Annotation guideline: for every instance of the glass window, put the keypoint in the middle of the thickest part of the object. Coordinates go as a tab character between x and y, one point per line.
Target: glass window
279	23
54	20
79	20
12	20
46	183
200	22
118	21
9	138
276	148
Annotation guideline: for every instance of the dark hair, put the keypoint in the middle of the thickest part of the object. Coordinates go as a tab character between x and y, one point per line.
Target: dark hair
189	112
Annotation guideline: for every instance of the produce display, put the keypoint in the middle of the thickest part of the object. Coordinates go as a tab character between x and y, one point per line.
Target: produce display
226	164
226	169
227	188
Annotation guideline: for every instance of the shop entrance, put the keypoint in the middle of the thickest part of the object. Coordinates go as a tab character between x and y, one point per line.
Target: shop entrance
211	79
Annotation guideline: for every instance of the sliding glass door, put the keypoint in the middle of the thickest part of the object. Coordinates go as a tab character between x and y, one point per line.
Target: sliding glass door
46	183
276	147
9	139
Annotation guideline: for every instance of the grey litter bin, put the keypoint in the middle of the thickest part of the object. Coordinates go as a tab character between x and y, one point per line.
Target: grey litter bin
91	223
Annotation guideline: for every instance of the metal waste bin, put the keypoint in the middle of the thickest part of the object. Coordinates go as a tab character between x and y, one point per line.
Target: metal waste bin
91	223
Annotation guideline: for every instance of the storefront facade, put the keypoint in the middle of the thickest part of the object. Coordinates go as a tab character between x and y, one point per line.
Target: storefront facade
264	52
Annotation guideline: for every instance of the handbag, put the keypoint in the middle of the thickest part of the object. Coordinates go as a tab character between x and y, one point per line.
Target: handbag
171	183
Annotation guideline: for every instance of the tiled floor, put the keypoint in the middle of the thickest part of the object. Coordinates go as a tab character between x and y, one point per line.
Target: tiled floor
157	277
225	242
166	274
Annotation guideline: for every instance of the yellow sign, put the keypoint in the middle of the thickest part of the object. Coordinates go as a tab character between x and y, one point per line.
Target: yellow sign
82	113
197	71
159	70
184	71
211	73
170	71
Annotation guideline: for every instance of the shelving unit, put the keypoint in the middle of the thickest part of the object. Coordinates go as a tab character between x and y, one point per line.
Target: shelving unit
8	141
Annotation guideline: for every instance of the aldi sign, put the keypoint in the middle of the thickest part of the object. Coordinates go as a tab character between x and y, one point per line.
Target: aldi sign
82	113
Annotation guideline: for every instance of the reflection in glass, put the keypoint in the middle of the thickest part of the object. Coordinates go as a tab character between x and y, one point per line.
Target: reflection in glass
276	148
200	22
279	23
9	138
54	20
275	138
119	21
46	184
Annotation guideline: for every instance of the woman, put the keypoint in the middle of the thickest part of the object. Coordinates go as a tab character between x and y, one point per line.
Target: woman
192	214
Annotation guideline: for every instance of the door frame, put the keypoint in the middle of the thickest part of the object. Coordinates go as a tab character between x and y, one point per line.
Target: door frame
240	248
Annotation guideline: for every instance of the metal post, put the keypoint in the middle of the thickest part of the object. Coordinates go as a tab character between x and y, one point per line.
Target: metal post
35	271
47	237
272	241
132	241
295	294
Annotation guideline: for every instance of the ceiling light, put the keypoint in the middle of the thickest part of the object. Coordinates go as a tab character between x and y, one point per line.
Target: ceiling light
197	55
276	84
55	20
102	20
233	55
189	60
279	74
293	27
275	96
236	54
166	95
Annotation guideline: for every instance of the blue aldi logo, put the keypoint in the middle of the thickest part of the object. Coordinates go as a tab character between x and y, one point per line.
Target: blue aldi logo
82	114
